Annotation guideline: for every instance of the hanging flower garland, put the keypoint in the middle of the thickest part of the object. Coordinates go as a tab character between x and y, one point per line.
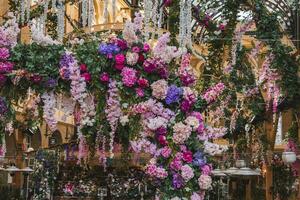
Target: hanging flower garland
49	101
113	112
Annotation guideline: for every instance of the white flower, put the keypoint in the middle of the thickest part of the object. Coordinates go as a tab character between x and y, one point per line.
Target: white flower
124	120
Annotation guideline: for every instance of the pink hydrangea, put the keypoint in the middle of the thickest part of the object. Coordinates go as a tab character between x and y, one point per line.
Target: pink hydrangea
206	169
187	172
154	171
205	182
181	132
159	89
128	76
176	163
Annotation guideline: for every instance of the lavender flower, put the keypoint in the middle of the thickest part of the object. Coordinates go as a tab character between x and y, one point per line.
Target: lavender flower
173	94
66	60
177	181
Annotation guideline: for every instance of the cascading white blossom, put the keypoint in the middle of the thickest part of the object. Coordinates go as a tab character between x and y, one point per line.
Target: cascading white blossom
84	12
148	5
60	19
23	8
90	13
38	36
185	20
49	110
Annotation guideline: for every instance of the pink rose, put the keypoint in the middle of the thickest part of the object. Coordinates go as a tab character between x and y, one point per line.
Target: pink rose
120	59
87	76
104	77
83	68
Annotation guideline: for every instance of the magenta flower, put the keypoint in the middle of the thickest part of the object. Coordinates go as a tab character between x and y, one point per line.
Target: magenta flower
4	53
87	77
187	156
146	47
140	92
83	68
120	59
6	67
122	44
143	83
104	77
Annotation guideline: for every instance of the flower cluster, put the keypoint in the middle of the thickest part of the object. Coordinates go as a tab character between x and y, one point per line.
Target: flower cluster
186	72
9	32
212	93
